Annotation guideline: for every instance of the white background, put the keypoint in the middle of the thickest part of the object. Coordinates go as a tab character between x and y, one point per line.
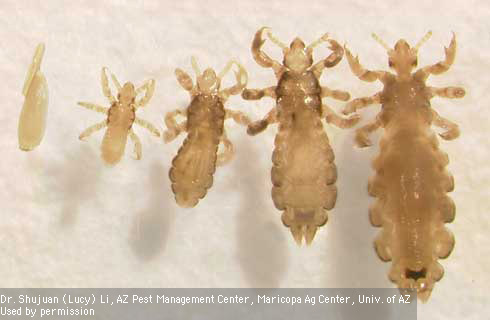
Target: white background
67	220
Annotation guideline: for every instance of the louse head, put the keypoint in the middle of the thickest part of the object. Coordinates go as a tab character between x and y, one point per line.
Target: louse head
403	58
297	57
208	81
127	94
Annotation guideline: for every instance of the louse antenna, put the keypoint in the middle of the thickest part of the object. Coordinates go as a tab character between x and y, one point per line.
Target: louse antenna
195	66
227	68
423	40
317	42
116	82
275	40
381	42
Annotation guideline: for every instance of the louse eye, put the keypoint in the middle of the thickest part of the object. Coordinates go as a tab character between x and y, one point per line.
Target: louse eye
390	63
414	63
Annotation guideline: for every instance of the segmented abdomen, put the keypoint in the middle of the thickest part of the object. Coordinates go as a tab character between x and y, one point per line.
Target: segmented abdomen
303	172
114	144
194	165
193	168
412	206
119	121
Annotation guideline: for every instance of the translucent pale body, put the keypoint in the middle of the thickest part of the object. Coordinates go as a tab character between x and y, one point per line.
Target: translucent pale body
120	117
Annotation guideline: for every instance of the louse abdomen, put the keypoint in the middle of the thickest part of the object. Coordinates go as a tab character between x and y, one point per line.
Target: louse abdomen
114	144
193	168
412	206
32	121
303	172
195	163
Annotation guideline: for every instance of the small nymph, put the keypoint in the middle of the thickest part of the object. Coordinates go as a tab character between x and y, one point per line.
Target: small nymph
120	118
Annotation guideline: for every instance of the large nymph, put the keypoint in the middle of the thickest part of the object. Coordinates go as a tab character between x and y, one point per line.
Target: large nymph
195	163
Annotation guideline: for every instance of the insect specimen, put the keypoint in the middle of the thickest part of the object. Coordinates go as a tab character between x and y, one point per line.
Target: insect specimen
303	173
32	121
195	163
120	118
411	181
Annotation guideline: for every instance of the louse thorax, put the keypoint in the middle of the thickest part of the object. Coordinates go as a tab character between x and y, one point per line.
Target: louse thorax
303	85
296	57
402	59
122	114
208	82
127	94
406	106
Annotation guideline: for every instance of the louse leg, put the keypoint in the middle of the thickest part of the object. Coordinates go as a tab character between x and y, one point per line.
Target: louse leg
105	86
362	133
335	94
448	92
359	71
332	60
171	134
147	125
241	80
260	125
185	81
149	88
174	129
359	103
87	132
239	117
227	154
170	117
443	66
262	58
94	107
137	144
256	94
333	118
452	131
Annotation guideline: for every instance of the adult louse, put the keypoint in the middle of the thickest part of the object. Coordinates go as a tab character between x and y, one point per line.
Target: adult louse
195	163
411	181
32	120
303	172
120	118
